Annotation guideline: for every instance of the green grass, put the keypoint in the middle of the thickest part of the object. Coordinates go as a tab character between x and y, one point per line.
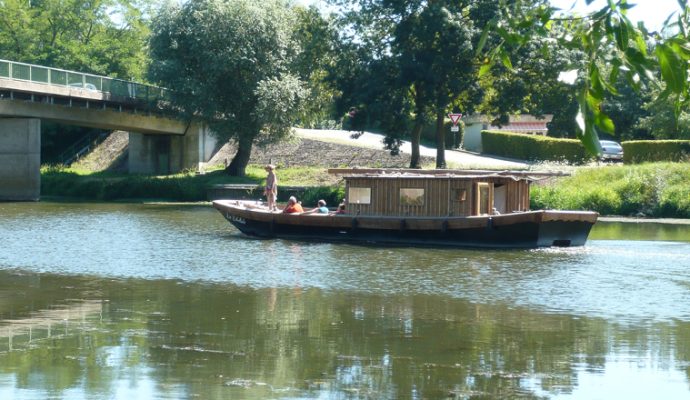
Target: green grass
185	186
653	190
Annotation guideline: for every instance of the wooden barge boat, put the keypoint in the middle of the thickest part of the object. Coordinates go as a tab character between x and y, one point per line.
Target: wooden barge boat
424	207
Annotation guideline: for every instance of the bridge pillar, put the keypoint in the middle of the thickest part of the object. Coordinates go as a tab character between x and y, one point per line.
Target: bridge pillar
20	159
164	154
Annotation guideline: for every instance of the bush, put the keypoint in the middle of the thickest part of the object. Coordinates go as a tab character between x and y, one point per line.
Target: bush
675	202
104	187
332	195
655	190
639	151
533	147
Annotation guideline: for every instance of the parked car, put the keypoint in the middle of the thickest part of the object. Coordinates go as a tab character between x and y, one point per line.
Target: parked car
611	151
88	86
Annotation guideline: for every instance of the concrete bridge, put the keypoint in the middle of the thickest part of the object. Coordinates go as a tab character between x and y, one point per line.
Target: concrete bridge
158	142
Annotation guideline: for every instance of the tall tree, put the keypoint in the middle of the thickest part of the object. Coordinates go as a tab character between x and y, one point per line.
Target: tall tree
431	48
228	63
530	84
106	37
317	38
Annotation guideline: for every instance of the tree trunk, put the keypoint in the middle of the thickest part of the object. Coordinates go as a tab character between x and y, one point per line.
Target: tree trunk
440	142
239	163
415	161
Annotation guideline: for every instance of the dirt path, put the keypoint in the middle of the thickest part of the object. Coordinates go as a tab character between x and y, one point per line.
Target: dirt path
456	158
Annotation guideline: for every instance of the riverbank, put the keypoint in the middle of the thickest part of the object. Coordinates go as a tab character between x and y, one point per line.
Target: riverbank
656	190
659	190
630	220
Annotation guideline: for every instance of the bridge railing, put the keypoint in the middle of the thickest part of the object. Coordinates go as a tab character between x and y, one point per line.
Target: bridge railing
55	76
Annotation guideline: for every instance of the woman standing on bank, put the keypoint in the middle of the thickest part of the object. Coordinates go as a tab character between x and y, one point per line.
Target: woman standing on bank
271	190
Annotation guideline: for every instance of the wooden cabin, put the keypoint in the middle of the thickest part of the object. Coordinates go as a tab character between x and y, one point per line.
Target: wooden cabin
436	193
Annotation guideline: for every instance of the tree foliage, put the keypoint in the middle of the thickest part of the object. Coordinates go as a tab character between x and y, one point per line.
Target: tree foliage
422	60
614	48
106	37
317	38
519	47
229	64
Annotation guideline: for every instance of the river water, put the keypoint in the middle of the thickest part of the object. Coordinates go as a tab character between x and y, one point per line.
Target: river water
132	301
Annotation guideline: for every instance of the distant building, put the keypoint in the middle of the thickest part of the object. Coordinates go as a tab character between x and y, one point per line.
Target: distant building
475	124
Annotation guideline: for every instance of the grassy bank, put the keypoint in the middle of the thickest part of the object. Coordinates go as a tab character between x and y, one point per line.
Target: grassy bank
106	186
651	190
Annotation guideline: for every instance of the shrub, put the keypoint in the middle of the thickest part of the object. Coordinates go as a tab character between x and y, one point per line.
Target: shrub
639	151
658	190
533	147
332	195
675	202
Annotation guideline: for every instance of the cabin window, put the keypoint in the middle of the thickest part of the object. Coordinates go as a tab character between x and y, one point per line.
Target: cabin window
359	195
483	198
459	194
411	197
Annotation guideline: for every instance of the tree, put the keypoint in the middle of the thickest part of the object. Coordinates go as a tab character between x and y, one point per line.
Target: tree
613	48
530	84
430	49
628	107
106	37
228	64
660	120
317	38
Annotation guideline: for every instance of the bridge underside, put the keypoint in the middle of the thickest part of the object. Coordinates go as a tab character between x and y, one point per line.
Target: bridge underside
158	144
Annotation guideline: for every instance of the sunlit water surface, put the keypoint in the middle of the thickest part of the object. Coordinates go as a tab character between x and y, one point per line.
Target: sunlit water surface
162	301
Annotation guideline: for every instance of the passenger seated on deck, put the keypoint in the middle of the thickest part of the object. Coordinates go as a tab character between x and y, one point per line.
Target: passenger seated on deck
320	208
341	209
293	206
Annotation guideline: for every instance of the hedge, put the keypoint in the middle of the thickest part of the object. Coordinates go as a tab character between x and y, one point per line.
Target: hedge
533	147
639	151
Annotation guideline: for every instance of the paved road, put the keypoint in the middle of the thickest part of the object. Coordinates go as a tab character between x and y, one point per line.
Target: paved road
455	158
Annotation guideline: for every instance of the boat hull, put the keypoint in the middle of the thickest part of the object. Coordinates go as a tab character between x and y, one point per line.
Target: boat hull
519	230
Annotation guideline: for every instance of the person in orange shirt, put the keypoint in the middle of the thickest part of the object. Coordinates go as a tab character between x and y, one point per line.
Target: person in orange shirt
293	206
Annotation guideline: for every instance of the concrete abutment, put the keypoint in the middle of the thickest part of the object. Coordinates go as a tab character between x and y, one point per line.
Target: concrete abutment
20	159
164	154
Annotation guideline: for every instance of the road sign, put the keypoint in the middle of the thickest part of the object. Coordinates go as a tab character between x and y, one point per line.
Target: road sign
454	118
455	128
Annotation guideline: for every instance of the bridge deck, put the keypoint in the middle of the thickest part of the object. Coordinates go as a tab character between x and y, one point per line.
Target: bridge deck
80	106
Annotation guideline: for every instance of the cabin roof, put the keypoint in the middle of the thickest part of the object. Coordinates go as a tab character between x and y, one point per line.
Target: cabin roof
406	173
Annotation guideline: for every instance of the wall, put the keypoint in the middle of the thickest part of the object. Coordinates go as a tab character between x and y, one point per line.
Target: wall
20	159
472	139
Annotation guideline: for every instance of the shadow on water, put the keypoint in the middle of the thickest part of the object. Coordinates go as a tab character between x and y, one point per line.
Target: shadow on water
159	301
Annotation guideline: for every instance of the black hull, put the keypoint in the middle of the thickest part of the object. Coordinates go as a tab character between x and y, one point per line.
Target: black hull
525	235
531	233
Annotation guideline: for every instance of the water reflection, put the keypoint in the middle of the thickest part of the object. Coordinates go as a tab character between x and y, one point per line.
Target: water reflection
131	301
641	231
165	339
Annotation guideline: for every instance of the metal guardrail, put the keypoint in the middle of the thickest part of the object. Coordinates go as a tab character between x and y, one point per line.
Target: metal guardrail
54	76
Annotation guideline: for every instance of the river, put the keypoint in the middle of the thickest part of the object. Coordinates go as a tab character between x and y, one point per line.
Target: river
156	301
